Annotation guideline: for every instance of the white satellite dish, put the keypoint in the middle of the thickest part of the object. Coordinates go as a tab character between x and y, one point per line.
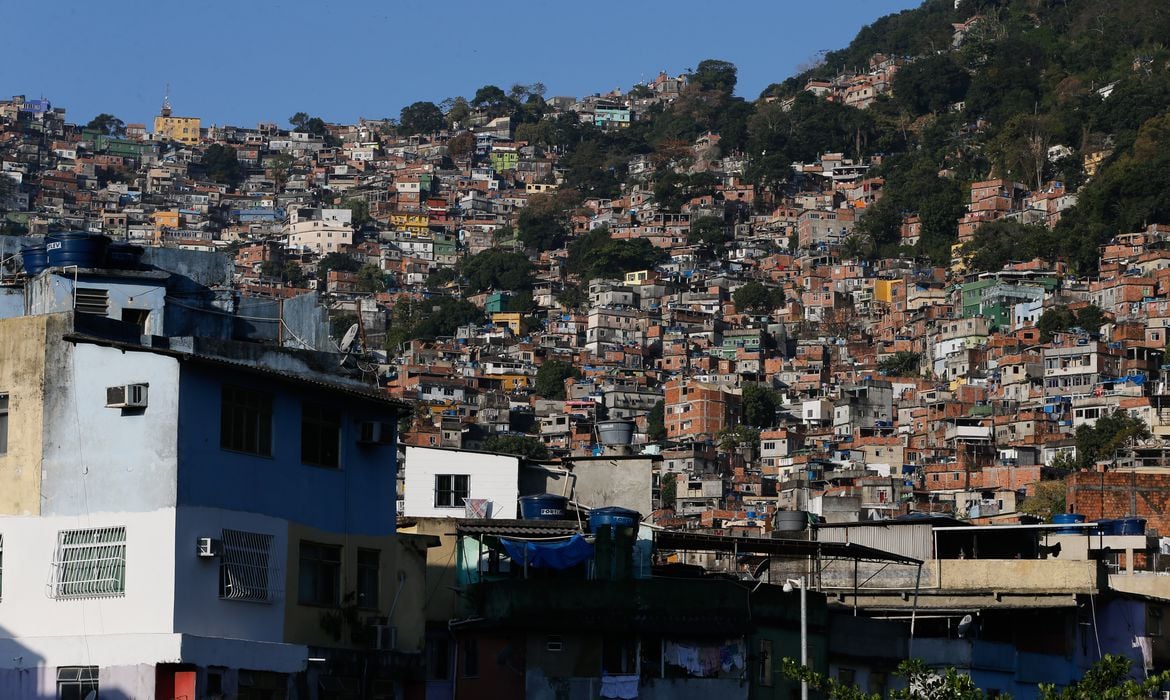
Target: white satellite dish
348	338
965	625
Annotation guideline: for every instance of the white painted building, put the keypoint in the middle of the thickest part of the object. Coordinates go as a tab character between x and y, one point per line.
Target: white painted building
438	482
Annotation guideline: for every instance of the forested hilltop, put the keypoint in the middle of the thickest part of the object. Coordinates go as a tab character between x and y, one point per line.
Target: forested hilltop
1044	93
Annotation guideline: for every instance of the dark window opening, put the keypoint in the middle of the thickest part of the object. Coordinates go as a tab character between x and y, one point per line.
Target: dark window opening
319	581
320	436
451	490
246	421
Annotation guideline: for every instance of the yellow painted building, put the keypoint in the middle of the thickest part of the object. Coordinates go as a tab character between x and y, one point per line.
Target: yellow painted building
514	320
415	223
172	128
400	573
22	401
883	290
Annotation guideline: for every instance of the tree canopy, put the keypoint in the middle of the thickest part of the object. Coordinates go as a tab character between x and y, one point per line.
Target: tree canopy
550	379
420	118
497	269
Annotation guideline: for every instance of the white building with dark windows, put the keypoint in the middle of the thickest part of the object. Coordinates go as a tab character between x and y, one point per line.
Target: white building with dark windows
440	482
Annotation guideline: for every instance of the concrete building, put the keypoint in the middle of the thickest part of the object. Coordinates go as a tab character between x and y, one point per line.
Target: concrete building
193	523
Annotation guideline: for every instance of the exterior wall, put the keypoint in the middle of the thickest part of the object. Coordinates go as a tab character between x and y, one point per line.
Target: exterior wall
92	452
494	477
200	611
53	293
402	578
22	374
1117	494
622	482
358	498
109	631
181	129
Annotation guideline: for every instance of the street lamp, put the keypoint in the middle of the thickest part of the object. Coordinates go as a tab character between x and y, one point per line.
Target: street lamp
788	587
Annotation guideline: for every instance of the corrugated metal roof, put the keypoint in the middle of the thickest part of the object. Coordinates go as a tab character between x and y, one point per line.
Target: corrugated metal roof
776	547
518	528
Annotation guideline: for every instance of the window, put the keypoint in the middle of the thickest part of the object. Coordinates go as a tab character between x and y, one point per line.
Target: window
451	490
320	574
368	563
76	682
320	436
246	420
245	571
90	563
845	676
471	658
3	423
619	655
765	662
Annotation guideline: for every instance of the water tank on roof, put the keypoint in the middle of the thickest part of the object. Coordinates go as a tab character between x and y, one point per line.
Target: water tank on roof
76	248
1068	519
615	432
790	521
34	258
545	506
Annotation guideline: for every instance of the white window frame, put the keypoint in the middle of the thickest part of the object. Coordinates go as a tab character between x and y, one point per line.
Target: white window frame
246	568
89	563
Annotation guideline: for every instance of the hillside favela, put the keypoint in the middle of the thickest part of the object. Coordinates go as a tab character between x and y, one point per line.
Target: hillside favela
849	388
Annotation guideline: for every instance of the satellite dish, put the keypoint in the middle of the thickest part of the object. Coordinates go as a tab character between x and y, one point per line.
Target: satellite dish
348	338
965	625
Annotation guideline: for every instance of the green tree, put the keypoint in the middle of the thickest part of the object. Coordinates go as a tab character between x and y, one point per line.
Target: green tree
760	404
499	270
656	422
739	436
707	231
222	164
420	118
339	323
550	379
1047	500
930	84
281	167
360	211
1108	679
543	224
1091	318
493	101
371	278
298	120
668	490
572	296
428	319
461	145
902	363
294	274
107	124
756	297
522	445
1056	319
336	261
1106	435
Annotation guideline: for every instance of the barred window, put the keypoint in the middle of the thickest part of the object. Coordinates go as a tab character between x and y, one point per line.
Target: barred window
89	563
245	567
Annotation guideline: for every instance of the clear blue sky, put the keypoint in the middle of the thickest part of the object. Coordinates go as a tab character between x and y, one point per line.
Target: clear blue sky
246	61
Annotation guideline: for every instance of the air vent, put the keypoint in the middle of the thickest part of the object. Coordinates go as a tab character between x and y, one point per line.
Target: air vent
87	300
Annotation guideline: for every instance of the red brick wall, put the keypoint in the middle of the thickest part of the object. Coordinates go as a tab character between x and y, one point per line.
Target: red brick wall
1114	495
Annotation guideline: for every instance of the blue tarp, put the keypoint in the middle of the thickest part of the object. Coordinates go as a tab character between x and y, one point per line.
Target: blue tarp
549	555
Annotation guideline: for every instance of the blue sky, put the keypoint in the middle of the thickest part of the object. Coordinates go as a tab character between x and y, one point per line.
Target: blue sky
255	60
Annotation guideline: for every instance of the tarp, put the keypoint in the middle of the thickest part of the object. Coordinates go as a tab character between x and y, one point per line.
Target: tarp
564	554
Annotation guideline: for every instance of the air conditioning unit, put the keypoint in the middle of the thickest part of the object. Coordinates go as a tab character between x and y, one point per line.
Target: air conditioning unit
375	433
208	547
383	637
126	396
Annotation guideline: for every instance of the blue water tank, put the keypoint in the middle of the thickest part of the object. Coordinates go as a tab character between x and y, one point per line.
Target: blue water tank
1069	519
613	516
35	258
76	248
544	506
1130	526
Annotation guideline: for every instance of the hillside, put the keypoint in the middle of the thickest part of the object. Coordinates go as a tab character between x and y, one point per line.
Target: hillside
1072	95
